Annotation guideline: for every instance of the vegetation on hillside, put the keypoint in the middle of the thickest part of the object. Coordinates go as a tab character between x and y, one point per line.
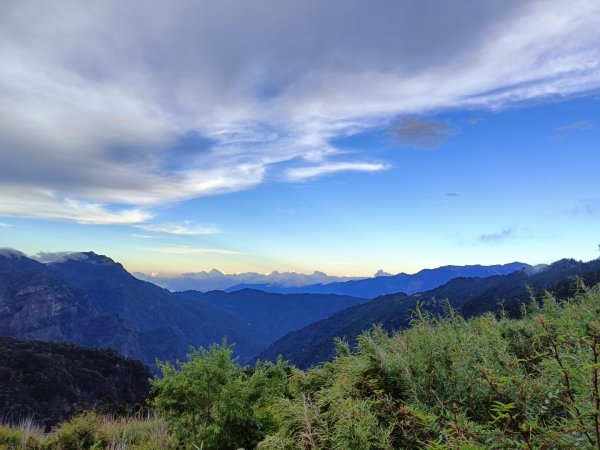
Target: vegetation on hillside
90	430
50	382
444	383
471	297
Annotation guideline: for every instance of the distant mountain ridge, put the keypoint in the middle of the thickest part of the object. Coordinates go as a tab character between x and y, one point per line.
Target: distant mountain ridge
469	296
214	279
91	300
423	280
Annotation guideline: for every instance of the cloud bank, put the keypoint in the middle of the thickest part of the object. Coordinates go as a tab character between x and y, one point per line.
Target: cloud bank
105	116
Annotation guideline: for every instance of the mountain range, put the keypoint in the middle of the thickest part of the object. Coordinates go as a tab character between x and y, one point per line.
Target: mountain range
214	279
91	300
383	284
469	296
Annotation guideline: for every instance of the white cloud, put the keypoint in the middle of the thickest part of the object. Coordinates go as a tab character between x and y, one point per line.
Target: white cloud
95	101
2	224
578	125
186	229
497	237
59	257
308	172
8	252
46	205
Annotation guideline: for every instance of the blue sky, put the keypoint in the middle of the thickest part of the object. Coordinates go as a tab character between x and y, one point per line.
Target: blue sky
272	138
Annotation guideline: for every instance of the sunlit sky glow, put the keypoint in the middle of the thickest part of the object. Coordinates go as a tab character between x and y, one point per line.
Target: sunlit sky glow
301	135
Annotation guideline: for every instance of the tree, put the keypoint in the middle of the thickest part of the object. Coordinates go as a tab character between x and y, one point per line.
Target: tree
212	403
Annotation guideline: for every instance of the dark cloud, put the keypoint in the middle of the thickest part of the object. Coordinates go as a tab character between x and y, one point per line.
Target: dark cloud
420	133
497	237
100	108
452	194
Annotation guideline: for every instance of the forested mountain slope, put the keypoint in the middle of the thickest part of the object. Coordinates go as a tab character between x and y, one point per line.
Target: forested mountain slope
470	296
273	314
91	300
49	381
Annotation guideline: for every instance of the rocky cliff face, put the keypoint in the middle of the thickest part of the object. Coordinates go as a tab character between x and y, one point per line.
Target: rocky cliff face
37	304
91	300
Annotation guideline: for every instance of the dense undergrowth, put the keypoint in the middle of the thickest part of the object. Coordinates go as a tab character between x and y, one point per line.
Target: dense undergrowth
90	430
445	383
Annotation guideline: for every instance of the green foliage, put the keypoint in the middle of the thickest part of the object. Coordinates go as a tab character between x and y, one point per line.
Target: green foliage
445	383
90	430
210	402
25	435
451	383
471	297
9	438
83	431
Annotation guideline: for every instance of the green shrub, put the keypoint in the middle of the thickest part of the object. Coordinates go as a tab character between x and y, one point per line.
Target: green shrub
83	432
9	437
212	403
24	435
449	383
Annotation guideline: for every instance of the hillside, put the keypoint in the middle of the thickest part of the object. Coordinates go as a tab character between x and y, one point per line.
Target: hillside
421	281
273	314
169	324
470	296
91	300
49	382
37	304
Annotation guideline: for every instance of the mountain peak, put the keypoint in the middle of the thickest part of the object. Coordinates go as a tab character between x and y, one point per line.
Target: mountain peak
382	273
94	258
8	252
87	257
12	260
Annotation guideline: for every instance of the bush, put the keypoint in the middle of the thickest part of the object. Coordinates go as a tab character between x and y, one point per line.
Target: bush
449	383
25	435
9	437
212	403
84	431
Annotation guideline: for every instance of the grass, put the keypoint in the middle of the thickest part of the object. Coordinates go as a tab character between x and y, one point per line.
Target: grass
89	430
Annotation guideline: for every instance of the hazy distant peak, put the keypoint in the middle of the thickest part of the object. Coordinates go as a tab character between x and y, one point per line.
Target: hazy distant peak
216	280
95	258
382	273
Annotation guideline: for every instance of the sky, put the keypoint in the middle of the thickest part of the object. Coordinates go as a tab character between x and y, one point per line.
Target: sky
302	135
